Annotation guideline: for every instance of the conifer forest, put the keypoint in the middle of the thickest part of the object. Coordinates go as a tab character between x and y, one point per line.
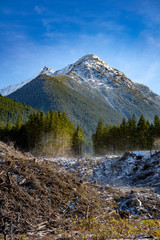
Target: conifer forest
51	133
130	135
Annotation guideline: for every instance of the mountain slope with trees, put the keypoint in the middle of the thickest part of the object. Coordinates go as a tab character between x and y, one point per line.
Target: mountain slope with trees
10	109
63	93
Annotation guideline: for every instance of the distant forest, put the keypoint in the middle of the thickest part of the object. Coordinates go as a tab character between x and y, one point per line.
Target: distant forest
129	135
52	134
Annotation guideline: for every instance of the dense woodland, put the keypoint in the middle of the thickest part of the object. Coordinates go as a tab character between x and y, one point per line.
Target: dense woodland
10	109
129	135
50	134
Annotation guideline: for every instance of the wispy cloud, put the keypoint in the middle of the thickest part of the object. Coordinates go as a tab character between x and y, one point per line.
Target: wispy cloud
39	9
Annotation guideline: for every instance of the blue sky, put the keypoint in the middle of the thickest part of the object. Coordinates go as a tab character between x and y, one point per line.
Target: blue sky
125	34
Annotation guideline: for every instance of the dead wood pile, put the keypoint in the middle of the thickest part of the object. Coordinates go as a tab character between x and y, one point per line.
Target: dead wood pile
35	196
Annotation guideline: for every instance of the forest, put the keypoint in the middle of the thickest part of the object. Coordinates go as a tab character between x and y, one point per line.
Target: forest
128	136
54	134
50	134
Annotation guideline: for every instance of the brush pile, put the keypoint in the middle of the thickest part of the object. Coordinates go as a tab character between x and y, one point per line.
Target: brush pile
35	197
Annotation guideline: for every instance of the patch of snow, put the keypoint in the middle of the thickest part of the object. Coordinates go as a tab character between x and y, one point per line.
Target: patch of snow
133	169
12	88
47	71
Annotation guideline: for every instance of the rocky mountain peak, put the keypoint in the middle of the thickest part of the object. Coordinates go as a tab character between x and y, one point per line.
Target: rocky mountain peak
89	56
87	67
47	71
92	70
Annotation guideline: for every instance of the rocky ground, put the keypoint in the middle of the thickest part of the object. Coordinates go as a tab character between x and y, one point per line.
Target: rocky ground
59	197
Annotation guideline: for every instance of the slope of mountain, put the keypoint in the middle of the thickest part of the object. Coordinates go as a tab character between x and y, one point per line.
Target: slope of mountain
10	109
88	90
12	88
147	92
64	93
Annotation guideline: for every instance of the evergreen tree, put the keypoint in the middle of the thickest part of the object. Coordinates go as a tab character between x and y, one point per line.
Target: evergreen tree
123	135
2	125
77	141
9	126
115	138
149	135
19	122
141	133
131	133
98	138
156	127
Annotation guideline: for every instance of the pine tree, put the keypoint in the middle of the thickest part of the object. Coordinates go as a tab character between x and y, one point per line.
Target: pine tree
2	125
77	141
19	122
131	132
156	126
123	135
141	133
98	138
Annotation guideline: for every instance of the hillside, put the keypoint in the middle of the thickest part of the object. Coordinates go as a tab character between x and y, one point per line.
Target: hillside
10	109
65	94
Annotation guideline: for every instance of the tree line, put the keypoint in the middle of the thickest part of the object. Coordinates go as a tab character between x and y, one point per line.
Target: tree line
51	133
129	135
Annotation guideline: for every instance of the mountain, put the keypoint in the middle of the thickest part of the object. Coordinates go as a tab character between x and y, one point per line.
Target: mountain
119	91
10	109
88	90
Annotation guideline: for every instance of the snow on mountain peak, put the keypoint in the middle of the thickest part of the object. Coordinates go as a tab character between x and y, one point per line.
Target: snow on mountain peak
89	56
12	88
47	71
86	63
88	69
91	69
